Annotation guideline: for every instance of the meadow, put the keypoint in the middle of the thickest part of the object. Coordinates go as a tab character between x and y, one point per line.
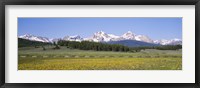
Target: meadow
31	58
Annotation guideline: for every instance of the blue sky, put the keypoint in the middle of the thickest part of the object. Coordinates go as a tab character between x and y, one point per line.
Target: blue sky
155	28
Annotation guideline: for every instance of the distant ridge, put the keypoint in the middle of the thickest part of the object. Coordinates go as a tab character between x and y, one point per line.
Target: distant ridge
110	38
35	38
133	43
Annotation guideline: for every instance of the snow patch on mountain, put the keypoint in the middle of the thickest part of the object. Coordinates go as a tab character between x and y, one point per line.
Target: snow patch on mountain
34	38
143	38
102	37
169	42
128	36
73	38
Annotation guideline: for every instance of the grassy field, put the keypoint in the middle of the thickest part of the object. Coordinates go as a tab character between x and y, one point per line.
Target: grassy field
31	58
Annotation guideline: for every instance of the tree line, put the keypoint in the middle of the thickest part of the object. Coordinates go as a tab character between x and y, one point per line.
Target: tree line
161	47
87	45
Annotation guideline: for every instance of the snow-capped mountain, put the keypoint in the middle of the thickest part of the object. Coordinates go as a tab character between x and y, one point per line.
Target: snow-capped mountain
34	38
104	37
73	38
55	40
128	36
143	38
169	42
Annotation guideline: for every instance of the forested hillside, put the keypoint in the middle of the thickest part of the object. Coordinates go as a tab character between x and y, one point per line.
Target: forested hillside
28	43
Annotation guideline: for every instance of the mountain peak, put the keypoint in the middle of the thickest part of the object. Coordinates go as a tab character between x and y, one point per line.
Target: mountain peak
73	38
76	36
25	35
169	42
130	32
100	32
129	36
34	38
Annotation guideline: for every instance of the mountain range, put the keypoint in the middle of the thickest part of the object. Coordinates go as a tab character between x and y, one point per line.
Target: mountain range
101	36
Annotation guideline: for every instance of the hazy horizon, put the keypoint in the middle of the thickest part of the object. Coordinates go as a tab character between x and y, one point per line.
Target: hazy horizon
155	28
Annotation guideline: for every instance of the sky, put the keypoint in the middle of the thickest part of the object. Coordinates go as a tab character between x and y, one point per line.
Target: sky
155	28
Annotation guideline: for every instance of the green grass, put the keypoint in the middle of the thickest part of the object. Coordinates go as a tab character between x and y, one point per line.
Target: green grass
71	59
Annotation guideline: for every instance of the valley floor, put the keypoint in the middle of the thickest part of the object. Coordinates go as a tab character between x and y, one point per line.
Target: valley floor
31	58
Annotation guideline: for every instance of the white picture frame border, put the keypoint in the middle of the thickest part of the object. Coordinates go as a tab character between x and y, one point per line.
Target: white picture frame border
186	75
